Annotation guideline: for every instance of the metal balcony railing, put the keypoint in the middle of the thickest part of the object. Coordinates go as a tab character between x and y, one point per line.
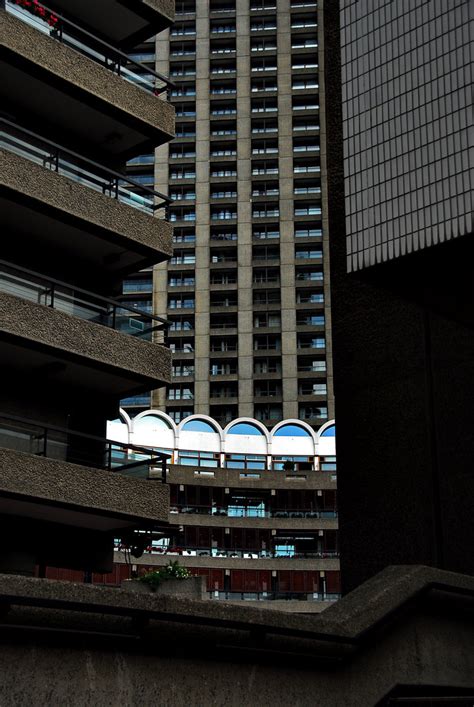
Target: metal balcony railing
239	553
235	511
33	437
271	596
73	300
50	22
50	155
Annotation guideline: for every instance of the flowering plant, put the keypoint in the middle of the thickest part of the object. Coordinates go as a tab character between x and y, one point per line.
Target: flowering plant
172	571
35	8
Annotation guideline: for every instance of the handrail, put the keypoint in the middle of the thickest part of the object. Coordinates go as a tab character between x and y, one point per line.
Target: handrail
106	300
154	455
256	513
57	33
105	170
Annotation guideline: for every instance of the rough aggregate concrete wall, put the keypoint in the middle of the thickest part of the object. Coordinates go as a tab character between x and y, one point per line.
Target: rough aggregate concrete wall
59	481
116	219
96	343
424	651
164	7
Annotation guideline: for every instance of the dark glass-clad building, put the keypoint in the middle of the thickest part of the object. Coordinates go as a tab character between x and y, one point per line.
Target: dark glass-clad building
402	283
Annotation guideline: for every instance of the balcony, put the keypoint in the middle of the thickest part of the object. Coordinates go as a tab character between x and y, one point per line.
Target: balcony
75	354
55	294
79	208
71	85
81	483
124	25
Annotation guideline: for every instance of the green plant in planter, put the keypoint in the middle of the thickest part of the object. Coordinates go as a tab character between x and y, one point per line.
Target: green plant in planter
172	571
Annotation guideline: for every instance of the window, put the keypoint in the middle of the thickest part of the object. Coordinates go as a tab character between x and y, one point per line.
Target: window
302	209
310	232
311	342
181	235
265	211
266	232
266	365
309	388
309	275
227	213
299	84
182	369
264	105
183	257
268	342
308	297
223	368
198	426
178	414
308	253
268	412
182	215
303	319
181	324
263	24
244	428
267	84
179	194
263	44
307	412
266	167
180	393
187	172
267	389
291	430
181	303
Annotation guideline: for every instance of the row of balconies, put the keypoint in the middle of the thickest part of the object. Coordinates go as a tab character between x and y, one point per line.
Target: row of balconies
75	108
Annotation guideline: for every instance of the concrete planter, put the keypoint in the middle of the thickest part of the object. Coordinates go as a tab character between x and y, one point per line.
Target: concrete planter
190	588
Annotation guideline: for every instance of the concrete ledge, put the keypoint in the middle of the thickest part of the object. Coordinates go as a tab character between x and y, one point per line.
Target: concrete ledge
236	563
125	24
122	225
97	345
195	519
346	622
83	489
230	478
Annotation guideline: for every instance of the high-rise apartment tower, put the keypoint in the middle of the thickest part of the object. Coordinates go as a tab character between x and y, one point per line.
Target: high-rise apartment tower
247	290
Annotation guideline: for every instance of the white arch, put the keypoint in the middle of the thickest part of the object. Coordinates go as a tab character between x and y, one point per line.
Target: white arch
250	421
324	427
326	446
247	444
156	413
205	418
127	420
144	436
298	423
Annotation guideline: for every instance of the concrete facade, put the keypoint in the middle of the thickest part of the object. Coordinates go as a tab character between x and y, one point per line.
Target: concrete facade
404	634
404	349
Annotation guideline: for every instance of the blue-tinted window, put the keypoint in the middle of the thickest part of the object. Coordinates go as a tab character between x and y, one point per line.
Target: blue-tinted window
152	421
245	428
292	431
198	426
329	431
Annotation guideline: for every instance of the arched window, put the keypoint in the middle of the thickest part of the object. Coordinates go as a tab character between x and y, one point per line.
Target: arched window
152	421
198	426
329	431
292	431
244	428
